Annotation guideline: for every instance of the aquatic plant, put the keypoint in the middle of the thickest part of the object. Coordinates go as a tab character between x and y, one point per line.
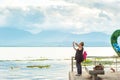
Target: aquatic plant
38	66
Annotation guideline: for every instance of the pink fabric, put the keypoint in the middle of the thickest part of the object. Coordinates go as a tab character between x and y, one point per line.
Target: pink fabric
84	55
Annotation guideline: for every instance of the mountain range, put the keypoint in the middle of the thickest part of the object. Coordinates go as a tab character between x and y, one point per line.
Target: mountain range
11	37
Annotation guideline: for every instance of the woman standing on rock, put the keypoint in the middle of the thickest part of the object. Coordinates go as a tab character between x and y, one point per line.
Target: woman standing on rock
79	56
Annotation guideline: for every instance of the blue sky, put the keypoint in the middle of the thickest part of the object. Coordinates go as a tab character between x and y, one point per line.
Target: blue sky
54	22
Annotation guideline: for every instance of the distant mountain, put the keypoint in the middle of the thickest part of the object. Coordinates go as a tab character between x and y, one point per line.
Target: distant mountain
12	33
16	37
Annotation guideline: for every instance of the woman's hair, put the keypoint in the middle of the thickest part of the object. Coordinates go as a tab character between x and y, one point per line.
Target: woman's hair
82	43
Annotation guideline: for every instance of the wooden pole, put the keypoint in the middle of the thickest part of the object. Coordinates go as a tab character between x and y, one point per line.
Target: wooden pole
72	64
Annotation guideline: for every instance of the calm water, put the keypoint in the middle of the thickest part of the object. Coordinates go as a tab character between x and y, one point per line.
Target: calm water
58	70
21	53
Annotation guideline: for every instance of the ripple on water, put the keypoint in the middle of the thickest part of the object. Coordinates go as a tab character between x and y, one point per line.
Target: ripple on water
57	71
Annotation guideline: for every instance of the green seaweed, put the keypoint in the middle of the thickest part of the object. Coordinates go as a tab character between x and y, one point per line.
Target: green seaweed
38	66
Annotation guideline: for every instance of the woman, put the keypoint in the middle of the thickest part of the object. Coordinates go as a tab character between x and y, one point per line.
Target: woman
79	56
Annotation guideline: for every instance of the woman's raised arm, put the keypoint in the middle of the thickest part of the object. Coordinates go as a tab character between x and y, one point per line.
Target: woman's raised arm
74	45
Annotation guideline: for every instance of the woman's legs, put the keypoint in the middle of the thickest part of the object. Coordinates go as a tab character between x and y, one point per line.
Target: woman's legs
79	68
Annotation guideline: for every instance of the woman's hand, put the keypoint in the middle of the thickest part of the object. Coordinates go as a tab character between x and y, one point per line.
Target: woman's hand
73	42
74	45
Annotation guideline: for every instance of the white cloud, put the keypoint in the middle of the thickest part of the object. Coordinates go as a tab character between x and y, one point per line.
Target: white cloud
75	16
2	20
24	3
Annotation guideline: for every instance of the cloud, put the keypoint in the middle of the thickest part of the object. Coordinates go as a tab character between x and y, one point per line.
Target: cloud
104	15
2	20
74	16
22	19
35	3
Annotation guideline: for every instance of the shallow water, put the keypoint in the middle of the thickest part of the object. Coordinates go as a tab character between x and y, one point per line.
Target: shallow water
17	70
58	68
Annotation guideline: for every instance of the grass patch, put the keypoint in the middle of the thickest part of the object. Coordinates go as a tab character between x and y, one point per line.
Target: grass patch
87	62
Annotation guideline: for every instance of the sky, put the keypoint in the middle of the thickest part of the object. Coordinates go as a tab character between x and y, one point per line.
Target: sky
48	22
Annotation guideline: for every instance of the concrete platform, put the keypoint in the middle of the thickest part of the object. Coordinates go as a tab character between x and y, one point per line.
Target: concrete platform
86	76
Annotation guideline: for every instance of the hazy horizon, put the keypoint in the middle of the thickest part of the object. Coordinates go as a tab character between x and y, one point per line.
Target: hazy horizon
26	53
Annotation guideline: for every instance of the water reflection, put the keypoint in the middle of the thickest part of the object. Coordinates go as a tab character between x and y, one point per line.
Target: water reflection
17	70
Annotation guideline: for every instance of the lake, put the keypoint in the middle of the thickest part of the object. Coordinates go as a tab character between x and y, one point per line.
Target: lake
23	53
13	62
17	70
